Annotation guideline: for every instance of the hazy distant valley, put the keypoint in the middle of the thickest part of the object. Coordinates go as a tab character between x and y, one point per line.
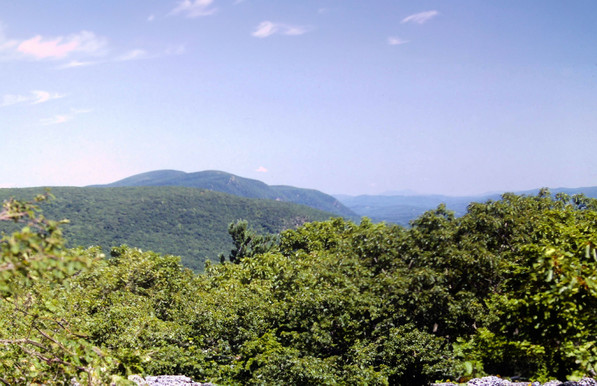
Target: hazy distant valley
401	209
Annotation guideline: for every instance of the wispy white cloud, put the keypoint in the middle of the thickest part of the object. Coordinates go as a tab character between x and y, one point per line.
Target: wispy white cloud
41	49
51	48
56	119
395	41
76	63
44	96
74	50
421	17
62	118
261	169
133	55
194	8
139	54
268	28
175	50
265	29
60	47
80	111
33	98
10	99
151	18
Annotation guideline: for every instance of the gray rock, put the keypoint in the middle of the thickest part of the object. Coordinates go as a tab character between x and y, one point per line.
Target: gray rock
488	381
166	380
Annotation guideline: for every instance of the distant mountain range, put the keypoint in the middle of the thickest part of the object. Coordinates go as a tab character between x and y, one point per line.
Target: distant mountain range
219	181
401	209
398	207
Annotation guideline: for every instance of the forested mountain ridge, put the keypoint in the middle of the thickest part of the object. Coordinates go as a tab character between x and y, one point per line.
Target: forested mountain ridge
402	208
188	222
244	187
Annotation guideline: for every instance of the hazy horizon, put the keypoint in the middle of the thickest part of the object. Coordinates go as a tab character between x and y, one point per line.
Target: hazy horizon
454	98
404	192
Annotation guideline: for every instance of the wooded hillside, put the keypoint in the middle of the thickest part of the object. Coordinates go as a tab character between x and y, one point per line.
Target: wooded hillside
187	222
219	181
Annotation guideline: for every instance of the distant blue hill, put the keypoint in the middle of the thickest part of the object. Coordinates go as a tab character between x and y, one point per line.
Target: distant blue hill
219	181
401	209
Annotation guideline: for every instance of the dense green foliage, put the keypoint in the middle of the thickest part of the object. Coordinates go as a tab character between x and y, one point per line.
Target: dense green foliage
508	288
244	187
187	222
37	344
247	242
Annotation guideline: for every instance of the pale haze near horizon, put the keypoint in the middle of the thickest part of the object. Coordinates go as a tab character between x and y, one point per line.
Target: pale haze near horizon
350	97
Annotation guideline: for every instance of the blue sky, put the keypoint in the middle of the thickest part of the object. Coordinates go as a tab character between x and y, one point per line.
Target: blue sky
343	96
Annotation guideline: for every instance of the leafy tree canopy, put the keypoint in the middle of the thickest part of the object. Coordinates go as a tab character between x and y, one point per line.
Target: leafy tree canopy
508	288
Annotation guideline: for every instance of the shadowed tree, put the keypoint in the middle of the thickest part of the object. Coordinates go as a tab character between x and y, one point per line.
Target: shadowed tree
247	242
